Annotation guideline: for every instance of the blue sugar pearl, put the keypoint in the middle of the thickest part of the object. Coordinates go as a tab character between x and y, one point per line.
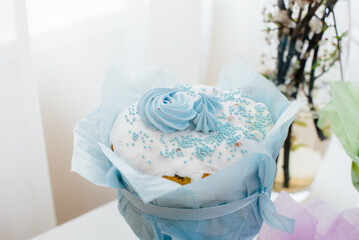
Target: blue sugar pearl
149	161
143	156
228	159
133	144
185	162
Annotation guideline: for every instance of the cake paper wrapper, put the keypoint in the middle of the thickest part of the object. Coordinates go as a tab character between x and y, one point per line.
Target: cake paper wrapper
343	114
230	204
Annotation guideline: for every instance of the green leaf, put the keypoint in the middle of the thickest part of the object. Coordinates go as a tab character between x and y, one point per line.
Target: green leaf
344	34
326	130
296	146
333	54
266	76
299	123
315	65
339	38
325	27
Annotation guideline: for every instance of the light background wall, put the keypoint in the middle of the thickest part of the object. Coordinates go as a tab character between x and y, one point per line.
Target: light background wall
74	41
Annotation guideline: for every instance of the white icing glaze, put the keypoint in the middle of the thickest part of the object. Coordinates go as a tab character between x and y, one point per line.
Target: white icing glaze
144	152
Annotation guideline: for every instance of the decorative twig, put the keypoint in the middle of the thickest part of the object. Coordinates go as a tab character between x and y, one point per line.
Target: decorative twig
287	144
281	5
339	47
298	48
327	69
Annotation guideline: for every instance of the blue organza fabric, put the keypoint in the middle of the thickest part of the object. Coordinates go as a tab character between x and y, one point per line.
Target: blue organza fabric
229	204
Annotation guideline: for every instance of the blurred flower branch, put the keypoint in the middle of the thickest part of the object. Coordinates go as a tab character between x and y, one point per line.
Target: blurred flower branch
299	26
304	52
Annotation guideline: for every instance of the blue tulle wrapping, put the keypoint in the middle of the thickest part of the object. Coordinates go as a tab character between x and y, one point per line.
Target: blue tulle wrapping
246	181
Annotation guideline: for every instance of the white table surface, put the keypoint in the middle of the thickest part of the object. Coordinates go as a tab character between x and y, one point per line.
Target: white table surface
102	223
332	184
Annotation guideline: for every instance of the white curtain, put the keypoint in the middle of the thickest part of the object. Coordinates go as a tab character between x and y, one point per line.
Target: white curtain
353	61
71	58
72	43
26	203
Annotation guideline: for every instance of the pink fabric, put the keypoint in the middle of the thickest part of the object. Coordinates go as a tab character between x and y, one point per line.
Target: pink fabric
314	220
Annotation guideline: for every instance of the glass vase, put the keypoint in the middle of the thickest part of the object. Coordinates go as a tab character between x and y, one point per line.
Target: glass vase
302	154
306	152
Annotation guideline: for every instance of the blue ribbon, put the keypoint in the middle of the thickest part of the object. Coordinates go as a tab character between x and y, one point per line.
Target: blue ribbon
267	209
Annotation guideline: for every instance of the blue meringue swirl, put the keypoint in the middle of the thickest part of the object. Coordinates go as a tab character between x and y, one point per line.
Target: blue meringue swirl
166	109
206	107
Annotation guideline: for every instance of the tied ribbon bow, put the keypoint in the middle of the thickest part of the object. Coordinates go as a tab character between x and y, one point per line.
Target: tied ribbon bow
270	215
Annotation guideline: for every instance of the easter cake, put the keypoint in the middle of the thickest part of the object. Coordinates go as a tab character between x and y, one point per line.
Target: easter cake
188	132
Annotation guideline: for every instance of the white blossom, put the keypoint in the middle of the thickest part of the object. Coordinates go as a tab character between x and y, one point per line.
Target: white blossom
281	16
316	25
322	43
321	10
282	88
302	3
299	45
